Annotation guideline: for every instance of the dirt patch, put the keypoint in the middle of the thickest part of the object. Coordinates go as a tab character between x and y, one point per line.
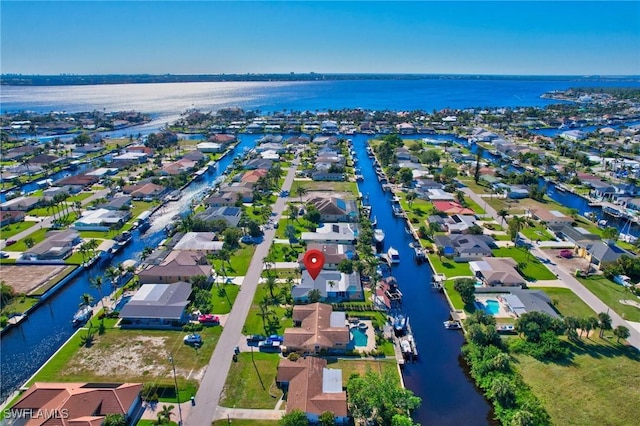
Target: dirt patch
26	278
569	264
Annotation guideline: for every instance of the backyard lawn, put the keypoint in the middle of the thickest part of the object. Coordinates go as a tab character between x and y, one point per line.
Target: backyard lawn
36	237
251	382
534	270
360	366
598	385
9	231
285	252
240	260
223	300
611	294
450	268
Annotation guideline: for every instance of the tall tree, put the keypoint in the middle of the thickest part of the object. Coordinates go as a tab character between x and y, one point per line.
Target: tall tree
502	214
96	283
621	332
301	191
605	322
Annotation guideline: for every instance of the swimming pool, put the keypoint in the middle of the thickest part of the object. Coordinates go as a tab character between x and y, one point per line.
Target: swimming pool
359	336
490	306
123	301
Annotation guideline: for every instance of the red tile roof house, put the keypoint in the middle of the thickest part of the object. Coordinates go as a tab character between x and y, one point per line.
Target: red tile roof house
254	176
178	266
452	207
147	190
317	329
313	388
77	404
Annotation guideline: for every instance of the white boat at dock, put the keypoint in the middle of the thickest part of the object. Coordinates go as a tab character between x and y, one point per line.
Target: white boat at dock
452	325
378	235
82	316
394	255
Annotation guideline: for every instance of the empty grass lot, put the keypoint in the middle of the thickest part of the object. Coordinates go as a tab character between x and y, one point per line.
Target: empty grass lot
222	303
598	385
450	268
360	366
9	231
254	324
566	302
611	294
240	260
251	382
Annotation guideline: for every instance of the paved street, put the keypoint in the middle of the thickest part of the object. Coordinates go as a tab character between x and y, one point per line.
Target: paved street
214	378
567	278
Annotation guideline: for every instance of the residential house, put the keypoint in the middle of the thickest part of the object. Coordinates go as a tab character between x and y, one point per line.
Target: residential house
177	266
157	305
254	176
517	192
23	204
243	190
327	177
551	217
599	253
333	254
338	233
75	404
231	215
406	129
44	159
221	200
118	203
145	191
103	171
497	271
317	329
332	285
271	146
223	139
573	135
576	235
452	207
132	157
329	127
313	388
101	220
334	209
463	248
209	147
602	189
140	148
258	163
57	246
8	217
83	181
439	195
194	155
199	241
519	301
459	223
181	166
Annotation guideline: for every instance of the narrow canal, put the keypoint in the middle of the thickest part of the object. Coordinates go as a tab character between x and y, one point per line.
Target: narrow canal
449	397
27	347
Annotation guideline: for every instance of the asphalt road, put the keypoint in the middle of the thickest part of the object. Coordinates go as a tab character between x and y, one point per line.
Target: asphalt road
567	277
212	383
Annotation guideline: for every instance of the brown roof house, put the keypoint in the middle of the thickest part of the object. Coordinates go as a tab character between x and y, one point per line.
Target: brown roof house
313	388
178	266
551	217
334	209
145	191
333	254
57	246
317	329
497	271
77	404
11	216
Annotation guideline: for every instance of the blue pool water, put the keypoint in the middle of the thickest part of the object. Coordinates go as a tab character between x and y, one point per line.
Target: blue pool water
359	336
123	301
490	306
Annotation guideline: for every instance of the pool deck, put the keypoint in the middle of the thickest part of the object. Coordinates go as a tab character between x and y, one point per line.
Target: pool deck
371	337
502	311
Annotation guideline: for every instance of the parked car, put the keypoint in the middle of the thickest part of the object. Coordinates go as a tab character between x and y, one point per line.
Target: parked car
192	338
276	338
10	242
566	253
3	255
269	345
255	338
209	319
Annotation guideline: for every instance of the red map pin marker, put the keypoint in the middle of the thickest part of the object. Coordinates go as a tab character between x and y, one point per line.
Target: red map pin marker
314	262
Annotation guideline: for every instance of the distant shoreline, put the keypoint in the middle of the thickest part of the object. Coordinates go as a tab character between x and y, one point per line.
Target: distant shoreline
105	79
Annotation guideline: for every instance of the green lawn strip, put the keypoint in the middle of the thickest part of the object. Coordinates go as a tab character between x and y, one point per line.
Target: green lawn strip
222	302
240	260
282	273
360	366
473	205
67	365
611	293
343	187
9	231
534	269
285	252
454	296
537	233
475	187
301	225
244	385
601	378
253	323
450	268
419	208
137	207
79	197
566	302
18	304
76	258
499	237
36	236
101	235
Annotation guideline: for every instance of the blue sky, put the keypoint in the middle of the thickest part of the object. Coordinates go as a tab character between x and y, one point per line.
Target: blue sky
88	37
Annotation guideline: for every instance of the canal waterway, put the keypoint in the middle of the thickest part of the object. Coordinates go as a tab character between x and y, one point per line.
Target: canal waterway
449	397
26	347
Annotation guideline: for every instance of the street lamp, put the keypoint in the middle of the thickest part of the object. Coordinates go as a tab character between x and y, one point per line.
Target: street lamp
175	381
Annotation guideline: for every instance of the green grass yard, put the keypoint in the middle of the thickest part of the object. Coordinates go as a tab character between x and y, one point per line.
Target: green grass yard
251	382
566	302
9	231
254	324
597	386
450	268
611	294
534	269
240	260
222	302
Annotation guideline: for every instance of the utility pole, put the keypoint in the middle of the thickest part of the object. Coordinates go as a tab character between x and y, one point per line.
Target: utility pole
175	381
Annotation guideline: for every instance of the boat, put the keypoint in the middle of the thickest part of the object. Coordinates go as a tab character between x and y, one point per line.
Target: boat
419	253
602	223
627	238
394	255
359	178
399	324
82	316
374	222
397	211
452	325
378	235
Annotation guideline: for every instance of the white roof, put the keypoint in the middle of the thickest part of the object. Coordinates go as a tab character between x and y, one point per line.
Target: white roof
331	380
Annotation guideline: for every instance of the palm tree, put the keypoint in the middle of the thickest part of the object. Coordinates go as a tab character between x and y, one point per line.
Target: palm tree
265	308
621	332
86	299
515	226
410	197
604	322
271	284
113	274
96	283
290	233
166	412
502	214
300	191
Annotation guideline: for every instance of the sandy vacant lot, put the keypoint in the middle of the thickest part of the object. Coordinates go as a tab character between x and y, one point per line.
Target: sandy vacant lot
26	278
